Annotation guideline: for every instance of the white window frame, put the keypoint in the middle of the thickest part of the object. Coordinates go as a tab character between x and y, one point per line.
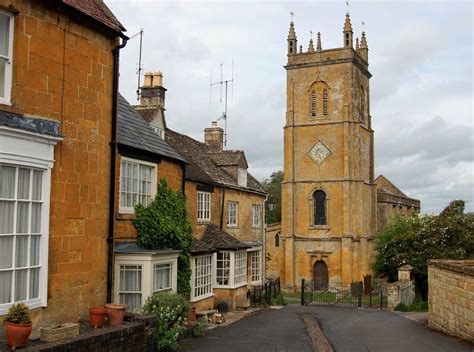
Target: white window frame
147	261
137	268
159	131
131	210
204	206
238	270
32	150
8	68
202	277
256	215
166	266
242	177
255	266
223	258
232	213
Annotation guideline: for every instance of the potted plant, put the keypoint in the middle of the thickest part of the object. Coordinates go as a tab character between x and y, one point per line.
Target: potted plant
97	316
18	325
115	313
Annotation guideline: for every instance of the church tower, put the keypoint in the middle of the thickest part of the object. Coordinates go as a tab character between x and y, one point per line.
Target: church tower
328	191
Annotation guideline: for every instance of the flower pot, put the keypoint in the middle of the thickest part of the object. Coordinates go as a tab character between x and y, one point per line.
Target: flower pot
17	334
97	316
115	313
192	317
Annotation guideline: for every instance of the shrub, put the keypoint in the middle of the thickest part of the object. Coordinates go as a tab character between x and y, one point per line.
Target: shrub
199	329
278	300
171	310
416	306
164	224
18	314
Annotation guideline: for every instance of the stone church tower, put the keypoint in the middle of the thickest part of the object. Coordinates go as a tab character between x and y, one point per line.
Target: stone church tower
328	191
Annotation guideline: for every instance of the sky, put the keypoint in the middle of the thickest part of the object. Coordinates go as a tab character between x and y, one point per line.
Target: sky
421	93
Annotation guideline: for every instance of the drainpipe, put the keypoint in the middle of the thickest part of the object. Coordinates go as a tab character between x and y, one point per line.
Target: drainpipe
113	154
222	208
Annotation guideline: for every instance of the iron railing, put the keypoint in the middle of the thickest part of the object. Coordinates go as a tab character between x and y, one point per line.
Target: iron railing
259	295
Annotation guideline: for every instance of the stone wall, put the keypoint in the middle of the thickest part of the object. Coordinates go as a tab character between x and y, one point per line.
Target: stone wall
451	297
273	249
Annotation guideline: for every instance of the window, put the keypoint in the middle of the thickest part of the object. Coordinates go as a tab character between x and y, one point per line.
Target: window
6	41
232	209
159	131
325	102
21	233
162	277
319	100
137	184
223	268
204	206
242	177
202	277
255	268
130	291
313	103
277	240
240	268
256	215
319	204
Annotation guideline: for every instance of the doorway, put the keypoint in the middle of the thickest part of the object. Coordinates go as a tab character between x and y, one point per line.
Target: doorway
320	275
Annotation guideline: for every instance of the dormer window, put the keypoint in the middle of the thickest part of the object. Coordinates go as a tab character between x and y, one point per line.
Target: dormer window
242	177
159	131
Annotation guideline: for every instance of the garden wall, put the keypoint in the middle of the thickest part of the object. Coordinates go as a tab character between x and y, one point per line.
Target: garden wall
451	297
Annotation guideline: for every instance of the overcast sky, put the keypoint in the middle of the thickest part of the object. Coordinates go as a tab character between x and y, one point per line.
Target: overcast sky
420	56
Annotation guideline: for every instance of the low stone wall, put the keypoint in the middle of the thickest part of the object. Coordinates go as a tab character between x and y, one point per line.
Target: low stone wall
451	297
134	336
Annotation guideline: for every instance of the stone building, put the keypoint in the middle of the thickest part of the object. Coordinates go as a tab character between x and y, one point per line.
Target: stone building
57	79
225	205
329	196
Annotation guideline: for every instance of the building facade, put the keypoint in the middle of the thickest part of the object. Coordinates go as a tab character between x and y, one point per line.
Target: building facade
56	111
328	191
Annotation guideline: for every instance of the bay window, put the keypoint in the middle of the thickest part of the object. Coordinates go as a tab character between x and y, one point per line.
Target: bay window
130	291
201	281
162	277
231	269
256	271
223	268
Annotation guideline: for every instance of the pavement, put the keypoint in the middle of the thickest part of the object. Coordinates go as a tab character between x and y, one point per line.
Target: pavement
298	328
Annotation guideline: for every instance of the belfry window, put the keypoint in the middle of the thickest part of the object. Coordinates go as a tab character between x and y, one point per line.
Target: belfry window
313	103
325	102
319	100
319	208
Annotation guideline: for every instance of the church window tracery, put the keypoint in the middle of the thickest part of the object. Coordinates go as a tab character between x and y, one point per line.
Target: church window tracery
319	208
318	100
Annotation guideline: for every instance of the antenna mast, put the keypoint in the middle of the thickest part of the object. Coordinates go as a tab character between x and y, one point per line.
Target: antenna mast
224	83
140	69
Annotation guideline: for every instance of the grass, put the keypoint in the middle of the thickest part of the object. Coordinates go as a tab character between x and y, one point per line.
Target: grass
295	298
416	306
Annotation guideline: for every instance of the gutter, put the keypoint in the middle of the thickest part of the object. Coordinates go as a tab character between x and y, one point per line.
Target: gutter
113	155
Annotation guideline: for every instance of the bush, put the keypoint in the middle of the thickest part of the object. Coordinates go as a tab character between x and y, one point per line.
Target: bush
278	300
199	329
18	314
416	306
171	310
164	224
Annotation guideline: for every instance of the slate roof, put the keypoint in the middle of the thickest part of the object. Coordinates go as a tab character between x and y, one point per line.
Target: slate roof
30	124
97	10
133	131
215	239
204	162
134	248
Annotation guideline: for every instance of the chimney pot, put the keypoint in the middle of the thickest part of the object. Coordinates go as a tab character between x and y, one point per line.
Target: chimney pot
214	136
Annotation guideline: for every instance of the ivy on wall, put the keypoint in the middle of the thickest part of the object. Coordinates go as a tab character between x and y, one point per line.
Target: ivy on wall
164	224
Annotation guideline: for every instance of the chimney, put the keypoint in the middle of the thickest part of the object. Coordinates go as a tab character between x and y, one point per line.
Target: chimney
214	136
152	91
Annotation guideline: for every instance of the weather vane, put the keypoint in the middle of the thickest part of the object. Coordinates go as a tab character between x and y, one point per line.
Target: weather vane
363	25
347	4
311	35
292	14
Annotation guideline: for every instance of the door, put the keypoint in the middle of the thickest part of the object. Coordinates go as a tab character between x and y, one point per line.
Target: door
320	273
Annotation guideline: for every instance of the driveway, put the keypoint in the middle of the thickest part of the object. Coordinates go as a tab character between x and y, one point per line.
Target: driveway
346	329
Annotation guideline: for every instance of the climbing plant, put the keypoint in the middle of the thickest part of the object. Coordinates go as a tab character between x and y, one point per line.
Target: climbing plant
164	224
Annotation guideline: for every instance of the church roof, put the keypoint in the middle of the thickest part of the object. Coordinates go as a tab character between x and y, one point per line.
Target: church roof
134	132
206	165
384	185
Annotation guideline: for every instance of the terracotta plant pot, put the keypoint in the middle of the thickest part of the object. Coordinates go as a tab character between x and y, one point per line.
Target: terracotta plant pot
192	316
97	316
115	313
17	334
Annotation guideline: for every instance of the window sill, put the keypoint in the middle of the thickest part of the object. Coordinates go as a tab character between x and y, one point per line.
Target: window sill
230	287
5	102
320	227
126	216
256	226
232	226
200	298
33	304
203	222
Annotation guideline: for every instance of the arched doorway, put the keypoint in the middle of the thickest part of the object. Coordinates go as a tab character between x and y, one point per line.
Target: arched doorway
320	275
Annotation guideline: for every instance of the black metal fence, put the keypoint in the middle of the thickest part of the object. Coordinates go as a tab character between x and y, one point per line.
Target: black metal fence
339	295
264	294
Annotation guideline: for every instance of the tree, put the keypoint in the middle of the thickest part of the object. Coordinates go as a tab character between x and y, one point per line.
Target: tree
164	224
273	187
415	239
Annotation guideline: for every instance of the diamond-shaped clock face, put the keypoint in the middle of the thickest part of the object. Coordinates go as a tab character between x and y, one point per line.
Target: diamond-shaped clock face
319	153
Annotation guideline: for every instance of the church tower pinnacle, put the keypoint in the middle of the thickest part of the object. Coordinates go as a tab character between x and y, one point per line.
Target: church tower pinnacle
292	40
347	32
364	50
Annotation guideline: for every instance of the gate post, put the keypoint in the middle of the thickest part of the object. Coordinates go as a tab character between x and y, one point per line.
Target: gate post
381	299
302	291
359	300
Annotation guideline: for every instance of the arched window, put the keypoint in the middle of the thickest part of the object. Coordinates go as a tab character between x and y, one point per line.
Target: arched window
277	240
318	100
319	205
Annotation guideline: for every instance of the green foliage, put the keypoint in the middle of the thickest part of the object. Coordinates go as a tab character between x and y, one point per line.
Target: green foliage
199	329
416	306
164	224
18	314
171	310
416	239
273	187
278	300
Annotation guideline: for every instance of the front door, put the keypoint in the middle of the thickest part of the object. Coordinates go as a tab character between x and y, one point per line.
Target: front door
320	274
